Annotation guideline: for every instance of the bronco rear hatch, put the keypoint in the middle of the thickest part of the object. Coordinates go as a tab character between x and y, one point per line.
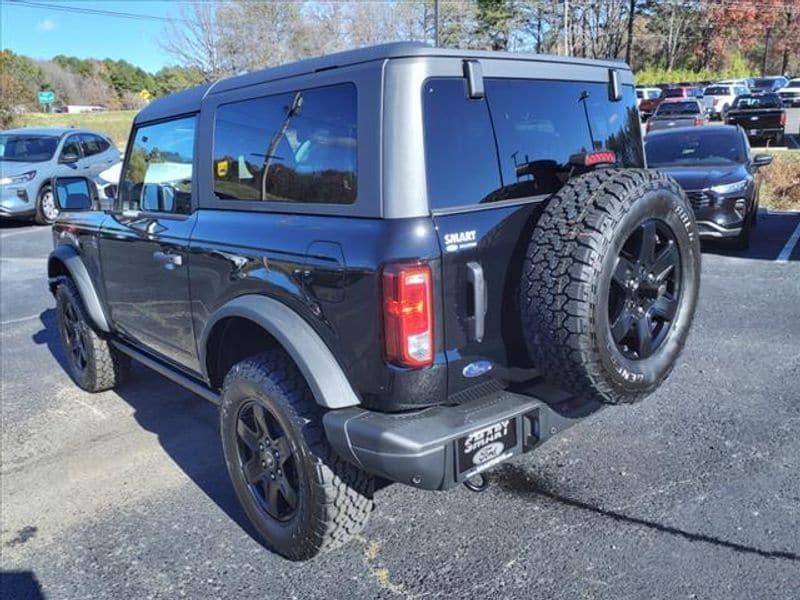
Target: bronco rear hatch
492	162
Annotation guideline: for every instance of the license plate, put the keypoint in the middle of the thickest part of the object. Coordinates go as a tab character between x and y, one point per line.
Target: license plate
486	447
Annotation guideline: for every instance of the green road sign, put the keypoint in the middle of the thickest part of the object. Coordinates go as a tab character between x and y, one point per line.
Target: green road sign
47	97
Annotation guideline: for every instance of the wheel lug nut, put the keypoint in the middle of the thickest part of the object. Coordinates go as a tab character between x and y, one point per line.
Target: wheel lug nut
272	476
261	446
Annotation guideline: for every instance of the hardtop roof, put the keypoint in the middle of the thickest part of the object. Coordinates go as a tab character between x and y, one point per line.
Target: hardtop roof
189	100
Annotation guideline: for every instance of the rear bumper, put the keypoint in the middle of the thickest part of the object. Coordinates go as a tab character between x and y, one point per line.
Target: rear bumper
419	448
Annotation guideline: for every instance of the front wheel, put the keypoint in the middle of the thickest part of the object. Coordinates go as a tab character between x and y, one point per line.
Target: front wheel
92	362
46	210
610	284
301	497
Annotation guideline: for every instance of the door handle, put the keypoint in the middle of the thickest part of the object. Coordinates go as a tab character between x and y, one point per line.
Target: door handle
169	261
480	300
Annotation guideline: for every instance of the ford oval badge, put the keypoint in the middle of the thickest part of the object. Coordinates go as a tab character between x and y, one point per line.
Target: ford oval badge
477	368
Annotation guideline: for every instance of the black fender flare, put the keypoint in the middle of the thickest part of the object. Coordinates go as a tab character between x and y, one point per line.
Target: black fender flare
311	354
69	257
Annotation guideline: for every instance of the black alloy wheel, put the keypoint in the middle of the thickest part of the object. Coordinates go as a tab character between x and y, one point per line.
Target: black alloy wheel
267	461
74	335
645	290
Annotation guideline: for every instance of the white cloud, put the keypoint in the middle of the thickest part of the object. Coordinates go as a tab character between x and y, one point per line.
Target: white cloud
45	25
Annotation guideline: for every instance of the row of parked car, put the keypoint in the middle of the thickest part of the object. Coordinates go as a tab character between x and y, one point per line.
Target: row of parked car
756	105
718	97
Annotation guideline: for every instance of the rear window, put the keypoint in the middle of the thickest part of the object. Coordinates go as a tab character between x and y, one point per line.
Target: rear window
673	93
765	101
678	108
294	147
719	90
517	141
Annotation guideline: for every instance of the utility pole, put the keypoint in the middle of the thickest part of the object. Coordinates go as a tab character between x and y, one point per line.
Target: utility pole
566	27
766	53
436	23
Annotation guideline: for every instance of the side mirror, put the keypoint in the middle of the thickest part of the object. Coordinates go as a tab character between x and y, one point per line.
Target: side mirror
74	194
110	191
762	160
69	158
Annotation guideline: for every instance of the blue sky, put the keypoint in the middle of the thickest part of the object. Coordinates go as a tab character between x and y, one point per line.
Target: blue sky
44	32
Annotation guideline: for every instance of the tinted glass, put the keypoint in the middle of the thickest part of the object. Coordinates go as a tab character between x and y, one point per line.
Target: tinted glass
72	145
678	108
539	125
761	101
694	93
673	93
459	146
719	90
93	144
295	147
158	172
27	148
697	147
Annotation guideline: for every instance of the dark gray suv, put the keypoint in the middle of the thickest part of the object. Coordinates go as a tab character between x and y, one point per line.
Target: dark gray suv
396	264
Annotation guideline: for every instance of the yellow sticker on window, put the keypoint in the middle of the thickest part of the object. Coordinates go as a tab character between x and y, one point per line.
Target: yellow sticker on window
222	168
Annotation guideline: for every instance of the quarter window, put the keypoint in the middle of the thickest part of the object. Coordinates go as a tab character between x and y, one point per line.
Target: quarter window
296	147
158	172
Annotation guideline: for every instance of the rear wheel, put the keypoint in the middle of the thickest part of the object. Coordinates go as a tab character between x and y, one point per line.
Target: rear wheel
301	497
610	284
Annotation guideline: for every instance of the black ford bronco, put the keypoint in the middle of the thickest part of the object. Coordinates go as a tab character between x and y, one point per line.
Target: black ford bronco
396	264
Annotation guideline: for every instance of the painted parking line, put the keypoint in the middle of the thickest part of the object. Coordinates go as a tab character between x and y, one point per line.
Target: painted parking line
19	320
786	253
15	232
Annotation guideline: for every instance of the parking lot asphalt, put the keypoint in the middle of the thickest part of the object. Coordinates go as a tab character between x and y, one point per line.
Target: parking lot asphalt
694	493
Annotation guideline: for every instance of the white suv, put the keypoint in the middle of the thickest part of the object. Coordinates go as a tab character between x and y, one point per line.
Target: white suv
717	98
790	94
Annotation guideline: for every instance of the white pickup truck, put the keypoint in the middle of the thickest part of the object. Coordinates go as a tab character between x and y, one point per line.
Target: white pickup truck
718	98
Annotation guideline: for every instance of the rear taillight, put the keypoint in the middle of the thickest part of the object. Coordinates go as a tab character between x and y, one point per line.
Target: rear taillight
698	121
408	315
783	118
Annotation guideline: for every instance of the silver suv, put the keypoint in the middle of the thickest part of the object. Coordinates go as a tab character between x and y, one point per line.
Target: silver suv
30	157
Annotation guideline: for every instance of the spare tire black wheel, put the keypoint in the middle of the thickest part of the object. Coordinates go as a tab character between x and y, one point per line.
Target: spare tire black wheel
610	283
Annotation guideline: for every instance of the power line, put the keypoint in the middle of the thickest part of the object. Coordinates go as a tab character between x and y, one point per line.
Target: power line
95	11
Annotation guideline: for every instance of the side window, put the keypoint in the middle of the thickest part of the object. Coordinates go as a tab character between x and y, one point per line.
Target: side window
540	124
72	145
93	144
295	147
460	152
158	172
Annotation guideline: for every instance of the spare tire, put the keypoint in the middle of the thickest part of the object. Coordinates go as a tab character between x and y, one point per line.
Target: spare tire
610	284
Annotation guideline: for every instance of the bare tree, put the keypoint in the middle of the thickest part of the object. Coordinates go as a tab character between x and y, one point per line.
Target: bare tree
194	39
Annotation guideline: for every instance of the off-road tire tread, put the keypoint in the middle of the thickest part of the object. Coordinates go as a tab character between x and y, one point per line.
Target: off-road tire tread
560	275
108	367
345	490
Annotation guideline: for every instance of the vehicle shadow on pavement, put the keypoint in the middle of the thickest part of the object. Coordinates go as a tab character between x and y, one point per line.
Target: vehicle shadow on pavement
20	584
767	240
186	425
515	480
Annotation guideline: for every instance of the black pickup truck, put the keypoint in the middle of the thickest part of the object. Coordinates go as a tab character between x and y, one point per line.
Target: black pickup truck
762	117
395	264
